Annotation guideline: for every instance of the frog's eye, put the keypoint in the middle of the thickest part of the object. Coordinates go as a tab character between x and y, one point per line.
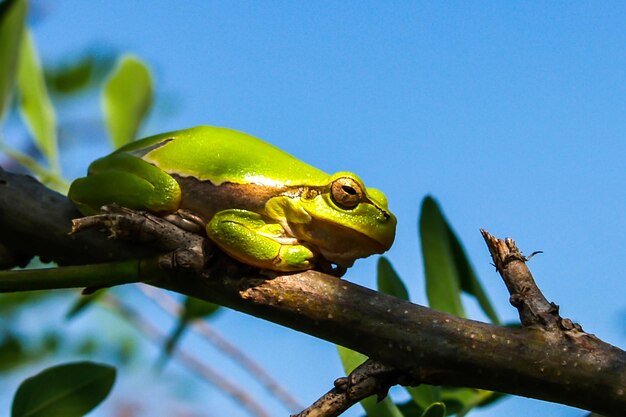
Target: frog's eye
346	192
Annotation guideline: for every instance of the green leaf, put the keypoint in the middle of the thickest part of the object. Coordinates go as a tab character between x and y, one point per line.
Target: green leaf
350	359
196	308
448	270
83	302
467	277
11	302
385	408
460	401
15	351
80	72
69	390
72	77
50	179
490	397
442	279
11	351
435	410
424	395
12	17
126	99
35	106
388	280
410	409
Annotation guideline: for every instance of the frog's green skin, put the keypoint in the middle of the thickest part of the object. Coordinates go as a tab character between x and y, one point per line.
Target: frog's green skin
260	205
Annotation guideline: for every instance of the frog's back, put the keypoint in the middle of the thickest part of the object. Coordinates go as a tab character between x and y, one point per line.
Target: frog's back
224	155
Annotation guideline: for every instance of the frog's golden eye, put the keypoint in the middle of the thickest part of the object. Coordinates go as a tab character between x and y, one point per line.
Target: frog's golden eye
346	192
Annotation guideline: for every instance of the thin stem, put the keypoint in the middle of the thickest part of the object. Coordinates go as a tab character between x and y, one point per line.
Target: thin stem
173	307
193	364
95	275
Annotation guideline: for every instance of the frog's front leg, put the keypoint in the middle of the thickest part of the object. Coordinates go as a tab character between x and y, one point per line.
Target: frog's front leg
127	181
246	236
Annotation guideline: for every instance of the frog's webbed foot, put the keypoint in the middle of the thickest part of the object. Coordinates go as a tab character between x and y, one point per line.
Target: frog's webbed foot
247	237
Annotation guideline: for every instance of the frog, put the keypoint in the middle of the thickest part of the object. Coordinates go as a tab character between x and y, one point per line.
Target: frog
257	203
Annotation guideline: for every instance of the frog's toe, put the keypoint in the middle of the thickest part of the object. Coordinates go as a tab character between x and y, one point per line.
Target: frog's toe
295	258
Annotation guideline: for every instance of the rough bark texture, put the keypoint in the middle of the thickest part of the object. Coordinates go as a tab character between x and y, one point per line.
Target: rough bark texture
550	358
35	220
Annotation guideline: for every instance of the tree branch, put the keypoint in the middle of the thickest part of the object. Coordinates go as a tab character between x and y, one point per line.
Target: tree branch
545	362
369	378
35	220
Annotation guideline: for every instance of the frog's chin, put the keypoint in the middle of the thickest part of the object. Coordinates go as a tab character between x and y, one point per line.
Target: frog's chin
338	245
345	255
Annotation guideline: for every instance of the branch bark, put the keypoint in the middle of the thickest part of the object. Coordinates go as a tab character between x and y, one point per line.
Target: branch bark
554	362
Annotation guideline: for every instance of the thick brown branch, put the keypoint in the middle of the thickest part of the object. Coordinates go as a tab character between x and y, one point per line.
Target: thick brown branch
432	347
35	220
566	367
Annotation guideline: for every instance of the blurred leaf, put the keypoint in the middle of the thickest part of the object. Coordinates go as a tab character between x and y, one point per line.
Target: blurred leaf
14	351
461	401
69	390
83	302
79	72
468	279
193	309
10	302
35	105
126	99
410	409
442	279
448	270
71	78
350	359
87	347
12	17
125	350
388	280
373	408
11	351
490	397
49	178
435	410
424	395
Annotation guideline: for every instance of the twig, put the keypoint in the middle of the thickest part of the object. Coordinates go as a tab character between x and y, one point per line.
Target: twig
194	365
173	307
533	307
369	378
97	275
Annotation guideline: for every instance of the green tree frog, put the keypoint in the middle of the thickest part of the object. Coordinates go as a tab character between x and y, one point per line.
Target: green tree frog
257	203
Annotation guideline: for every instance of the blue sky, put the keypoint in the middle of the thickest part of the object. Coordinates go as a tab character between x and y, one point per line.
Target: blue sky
511	114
